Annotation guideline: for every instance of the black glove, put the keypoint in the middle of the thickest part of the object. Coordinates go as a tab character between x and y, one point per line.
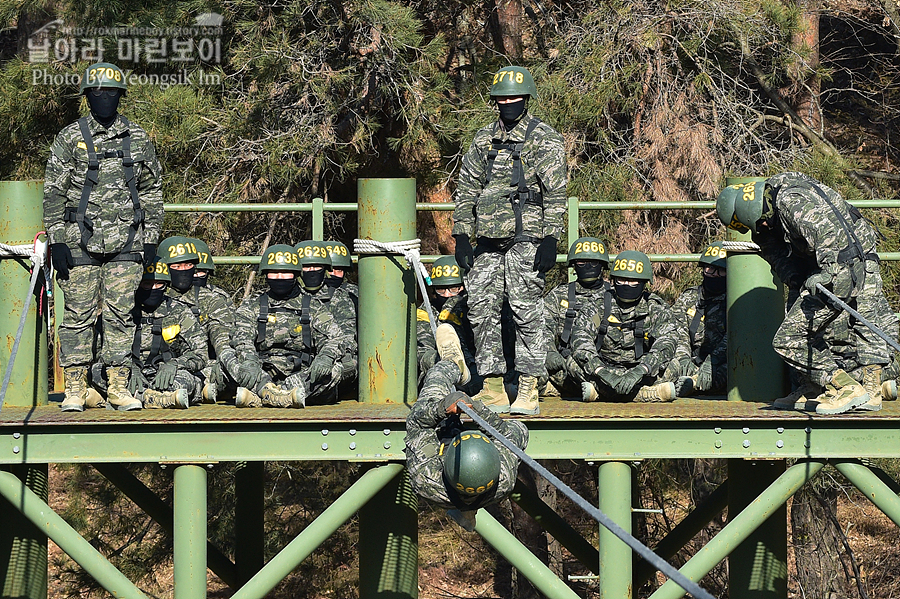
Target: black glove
137	381
465	253
628	381
165	377
545	257
61	257
554	362
149	253
320	370
249	375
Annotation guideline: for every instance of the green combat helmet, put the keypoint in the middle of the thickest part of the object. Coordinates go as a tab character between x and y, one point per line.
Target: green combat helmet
513	81
280	257
157	271
741	206
714	255
178	249
632	264
471	464
314	253
445	272
340	255
588	248
103	75
206	261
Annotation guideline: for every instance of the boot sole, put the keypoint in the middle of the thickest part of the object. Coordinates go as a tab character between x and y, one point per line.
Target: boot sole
845	408
131	407
499	409
65	408
524	411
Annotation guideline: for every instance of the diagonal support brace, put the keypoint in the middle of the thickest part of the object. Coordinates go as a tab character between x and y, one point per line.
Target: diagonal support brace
871	485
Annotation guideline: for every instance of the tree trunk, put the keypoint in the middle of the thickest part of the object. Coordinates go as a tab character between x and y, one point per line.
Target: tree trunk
807	82
531	535
507	30
817	545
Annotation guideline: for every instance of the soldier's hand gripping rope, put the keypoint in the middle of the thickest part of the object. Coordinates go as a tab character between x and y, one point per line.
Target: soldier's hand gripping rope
645	552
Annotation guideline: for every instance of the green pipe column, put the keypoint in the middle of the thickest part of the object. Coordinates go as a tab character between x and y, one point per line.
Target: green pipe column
389	543
190	532
387	294
871	486
249	519
615	577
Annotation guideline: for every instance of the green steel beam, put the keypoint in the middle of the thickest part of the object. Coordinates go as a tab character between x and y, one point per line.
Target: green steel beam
871	485
614	490
318	219
249	519
23	546
741	526
507	545
554	524
334	516
683	532
162	514
67	538
190	532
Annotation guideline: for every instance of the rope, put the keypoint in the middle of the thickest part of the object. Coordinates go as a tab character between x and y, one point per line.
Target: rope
740	246
645	552
410	251
836	300
37	253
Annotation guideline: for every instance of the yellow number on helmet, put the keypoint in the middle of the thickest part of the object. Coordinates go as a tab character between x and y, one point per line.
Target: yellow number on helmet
271	258
632	265
455	271
520	78
172	251
640	267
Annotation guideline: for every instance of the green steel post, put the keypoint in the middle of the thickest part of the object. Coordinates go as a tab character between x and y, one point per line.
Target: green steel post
21	218
742	526
755	307
757	568
574	222
334	516
389	543
871	486
683	532
161	513
554	524
318	219
387	294
614	488
507	545
67	538
23	546
249	519
190	532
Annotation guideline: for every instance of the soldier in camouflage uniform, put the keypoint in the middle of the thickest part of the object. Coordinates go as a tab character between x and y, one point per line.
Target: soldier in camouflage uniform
337	276
624	342
810	235
102	211
698	318
454	467
289	345
342	298
511	200
588	257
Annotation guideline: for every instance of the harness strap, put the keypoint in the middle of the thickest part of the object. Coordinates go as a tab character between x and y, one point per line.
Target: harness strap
195	309
636	325
91	178
305	321
159	349
262	318
571	313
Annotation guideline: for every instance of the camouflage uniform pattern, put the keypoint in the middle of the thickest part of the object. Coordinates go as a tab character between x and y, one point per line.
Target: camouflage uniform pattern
215	311
428	424
709	340
556	303
816	339
455	312
107	289
278	356
616	354
343	302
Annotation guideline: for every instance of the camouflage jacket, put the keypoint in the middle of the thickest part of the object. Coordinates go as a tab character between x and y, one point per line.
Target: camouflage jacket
181	340
455	311
809	236
343	302
283	348
592	350
709	335
216	314
556	305
483	205
110	204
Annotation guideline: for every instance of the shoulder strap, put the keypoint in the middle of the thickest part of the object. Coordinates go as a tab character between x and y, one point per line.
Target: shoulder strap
128	167
262	318
699	313
571	313
604	321
91	178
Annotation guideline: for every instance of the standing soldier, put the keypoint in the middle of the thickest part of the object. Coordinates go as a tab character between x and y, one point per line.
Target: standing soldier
588	257
511	201
102	211
811	236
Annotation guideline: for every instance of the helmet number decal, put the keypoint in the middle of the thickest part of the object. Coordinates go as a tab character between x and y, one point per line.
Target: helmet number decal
181	249
589	246
628	265
516	76
105	73
159	268
715	252
204	257
446	270
283	258
315	252
336	249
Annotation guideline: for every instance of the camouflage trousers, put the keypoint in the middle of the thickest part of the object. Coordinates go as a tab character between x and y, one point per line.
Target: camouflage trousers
105	292
567	379
612	373
685	366
511	274
816	339
343	373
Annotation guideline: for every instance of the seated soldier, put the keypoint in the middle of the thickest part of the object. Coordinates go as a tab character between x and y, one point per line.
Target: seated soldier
340	264
342	298
457	468
698	319
450	307
588	257
623	343
288	344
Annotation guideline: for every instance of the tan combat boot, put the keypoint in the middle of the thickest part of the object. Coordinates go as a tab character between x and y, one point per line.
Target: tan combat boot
841	395
871	376
274	396
589	392
804	398
76	389
493	395
94	399
165	399
527	400
210	392
656	393
117	393
684	386
245	398
449	348
889	390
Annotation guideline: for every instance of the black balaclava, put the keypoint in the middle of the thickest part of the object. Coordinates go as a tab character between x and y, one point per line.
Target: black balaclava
714	285
282	288
438	301
313	279
104	105
150	299
333	281
200	281
628	294
590	275
182	280
511	112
